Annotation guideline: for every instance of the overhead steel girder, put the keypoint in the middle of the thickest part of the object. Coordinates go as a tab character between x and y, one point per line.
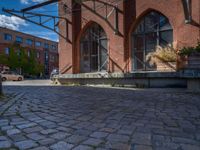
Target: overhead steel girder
28	16
44	4
187	10
40	5
115	28
24	12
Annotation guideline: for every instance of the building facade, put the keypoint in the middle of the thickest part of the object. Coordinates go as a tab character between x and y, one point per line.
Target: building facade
46	50
118	35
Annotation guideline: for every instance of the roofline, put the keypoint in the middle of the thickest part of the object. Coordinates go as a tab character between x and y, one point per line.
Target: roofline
29	34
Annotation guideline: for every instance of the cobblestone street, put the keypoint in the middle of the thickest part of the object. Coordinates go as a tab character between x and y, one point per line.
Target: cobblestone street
87	118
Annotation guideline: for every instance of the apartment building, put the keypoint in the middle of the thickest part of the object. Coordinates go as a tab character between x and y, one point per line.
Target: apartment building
46	50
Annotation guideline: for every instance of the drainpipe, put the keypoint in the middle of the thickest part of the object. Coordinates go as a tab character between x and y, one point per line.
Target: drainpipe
187	7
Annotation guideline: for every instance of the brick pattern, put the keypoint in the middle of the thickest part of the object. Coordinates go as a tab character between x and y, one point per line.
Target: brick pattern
120	45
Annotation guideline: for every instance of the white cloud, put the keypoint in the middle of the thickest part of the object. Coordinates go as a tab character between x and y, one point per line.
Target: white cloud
24	1
11	22
48	38
29	1
38	1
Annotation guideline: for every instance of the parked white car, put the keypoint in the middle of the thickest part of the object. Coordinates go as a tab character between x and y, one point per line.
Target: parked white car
11	76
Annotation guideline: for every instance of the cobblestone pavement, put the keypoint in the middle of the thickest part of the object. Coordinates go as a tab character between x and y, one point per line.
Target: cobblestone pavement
86	118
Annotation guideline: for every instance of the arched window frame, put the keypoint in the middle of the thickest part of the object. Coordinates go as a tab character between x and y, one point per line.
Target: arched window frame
91	38
143	31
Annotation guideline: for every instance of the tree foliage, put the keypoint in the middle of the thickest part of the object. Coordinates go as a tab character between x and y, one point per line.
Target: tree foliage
3	59
18	59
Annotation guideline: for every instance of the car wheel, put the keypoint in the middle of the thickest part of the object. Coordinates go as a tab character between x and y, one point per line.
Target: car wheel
3	79
19	79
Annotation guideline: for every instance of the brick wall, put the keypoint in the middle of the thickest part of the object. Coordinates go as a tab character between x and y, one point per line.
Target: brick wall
119	45
5	44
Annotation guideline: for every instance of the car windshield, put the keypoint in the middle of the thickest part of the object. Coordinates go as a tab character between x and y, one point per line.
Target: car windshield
9	72
5	72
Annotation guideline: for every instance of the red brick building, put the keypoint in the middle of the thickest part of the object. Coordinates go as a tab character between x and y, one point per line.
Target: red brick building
117	35
46	50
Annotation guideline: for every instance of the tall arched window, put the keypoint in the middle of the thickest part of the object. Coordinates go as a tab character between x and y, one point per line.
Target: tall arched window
154	29
94	54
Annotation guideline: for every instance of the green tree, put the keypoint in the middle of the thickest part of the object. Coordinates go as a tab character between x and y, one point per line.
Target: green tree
3	59
23	61
32	63
34	68
39	69
18	59
13	58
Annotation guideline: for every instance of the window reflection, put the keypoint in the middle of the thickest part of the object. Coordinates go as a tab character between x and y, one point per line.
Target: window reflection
153	30
93	50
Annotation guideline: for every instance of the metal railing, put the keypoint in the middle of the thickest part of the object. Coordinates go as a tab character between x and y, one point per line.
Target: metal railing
144	64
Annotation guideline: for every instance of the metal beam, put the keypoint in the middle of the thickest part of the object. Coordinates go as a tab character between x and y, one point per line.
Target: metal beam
30	16
31	13
116	21
40	5
41	23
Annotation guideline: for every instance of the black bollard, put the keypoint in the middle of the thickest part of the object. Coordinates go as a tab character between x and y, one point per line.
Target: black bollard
0	86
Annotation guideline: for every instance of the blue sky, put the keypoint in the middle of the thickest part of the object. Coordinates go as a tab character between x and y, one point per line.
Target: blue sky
20	25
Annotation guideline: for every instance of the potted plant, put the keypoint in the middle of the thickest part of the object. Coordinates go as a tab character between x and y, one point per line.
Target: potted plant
164	58
192	56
